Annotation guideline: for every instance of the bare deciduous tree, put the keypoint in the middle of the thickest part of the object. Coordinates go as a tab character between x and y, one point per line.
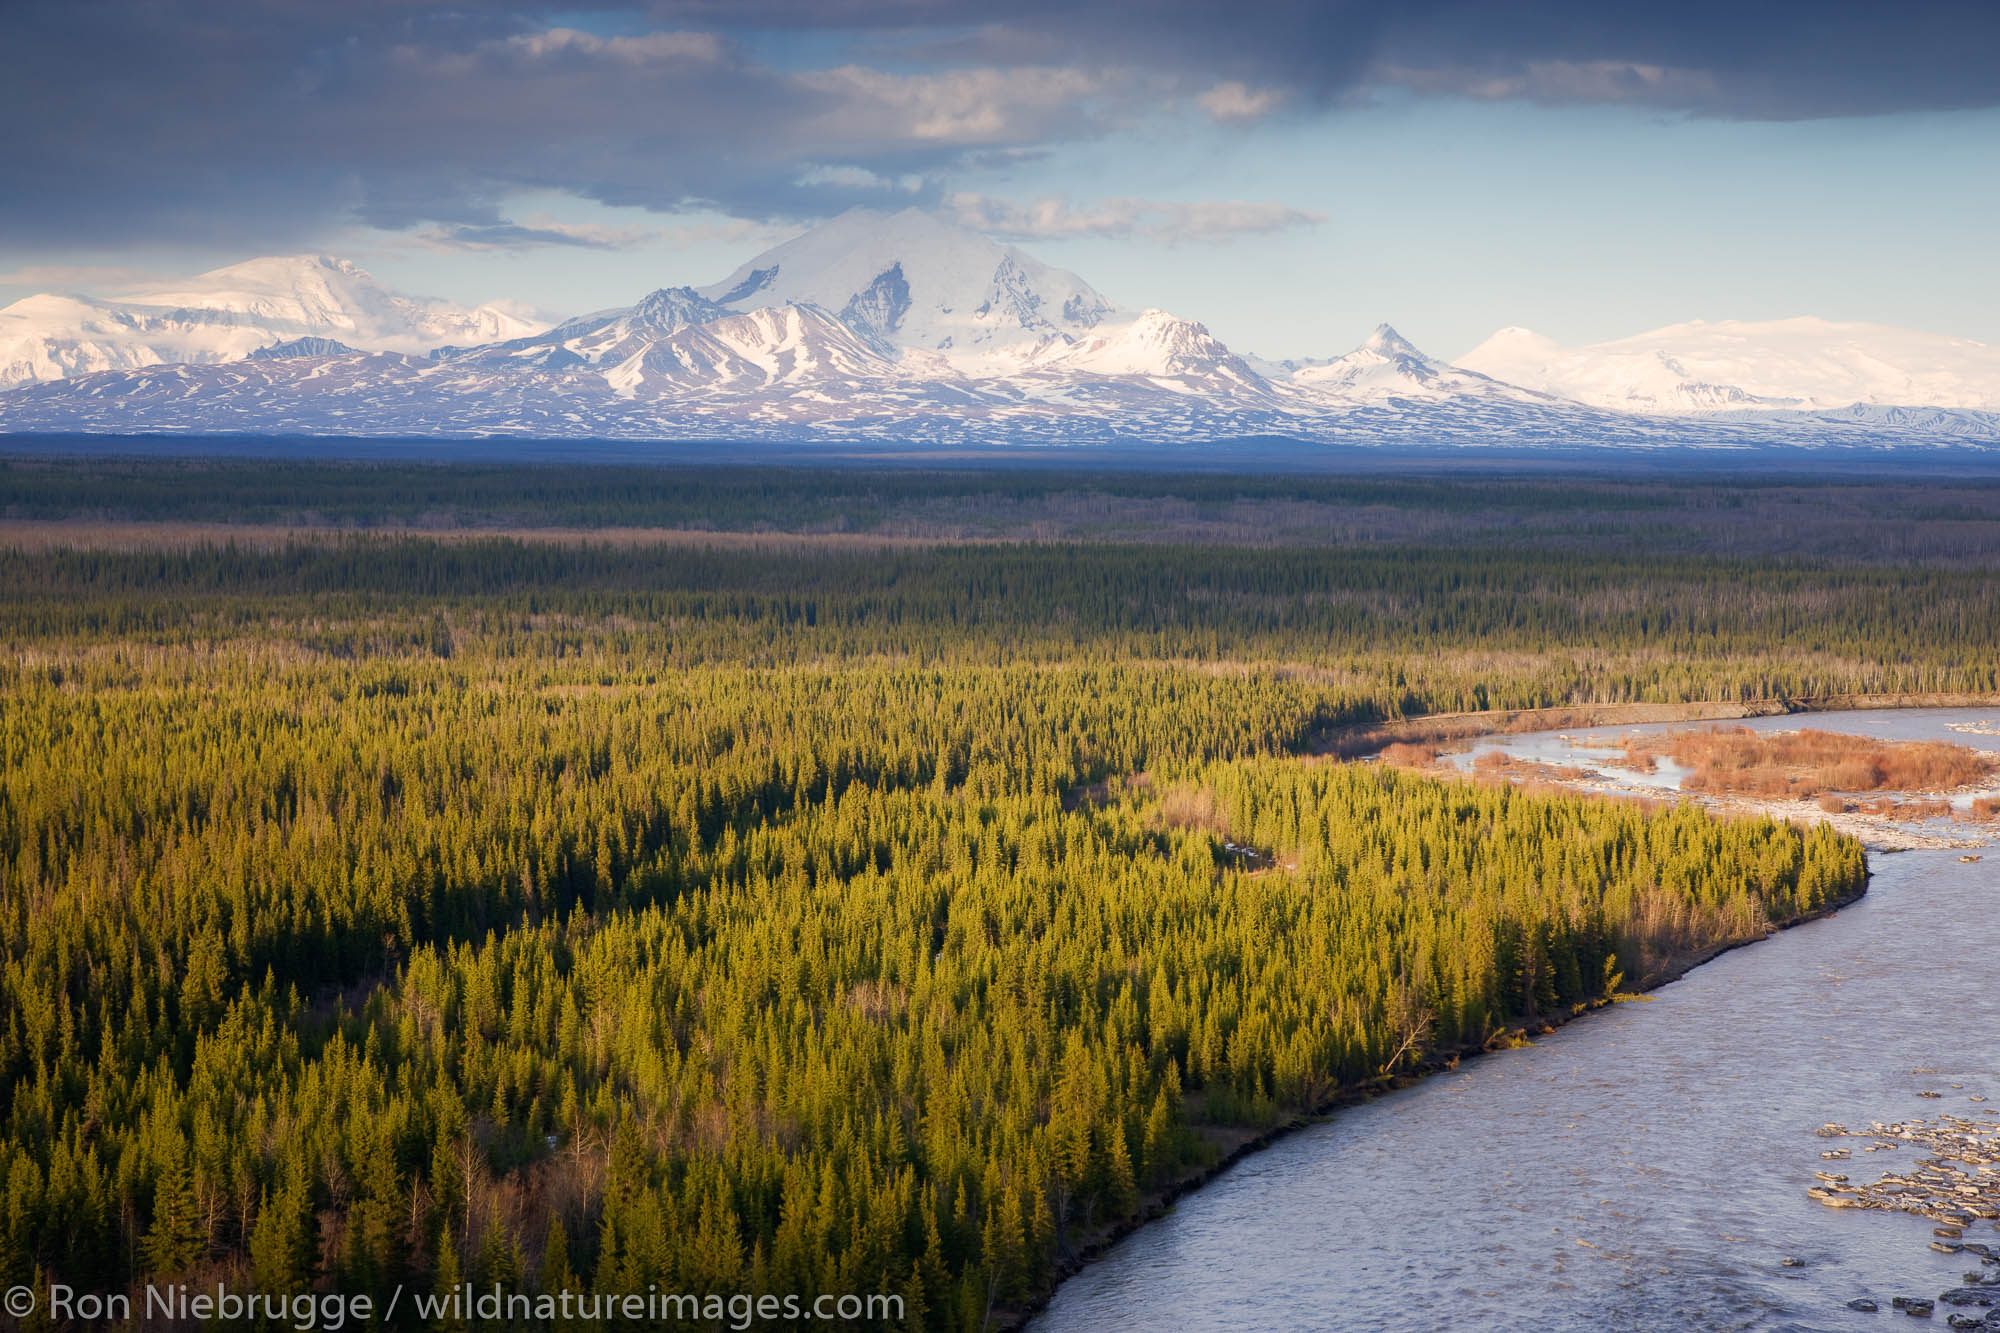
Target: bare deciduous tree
1410	1019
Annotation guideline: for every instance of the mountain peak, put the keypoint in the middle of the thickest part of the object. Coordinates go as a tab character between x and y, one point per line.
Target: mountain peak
1388	367
605	337
266	273
1516	336
1385	341
295	347
672	308
1173	353
912	280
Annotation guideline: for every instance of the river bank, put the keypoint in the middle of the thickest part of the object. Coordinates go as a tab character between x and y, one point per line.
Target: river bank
1241	1145
1237	1145
1362	739
1647	1170
1594	759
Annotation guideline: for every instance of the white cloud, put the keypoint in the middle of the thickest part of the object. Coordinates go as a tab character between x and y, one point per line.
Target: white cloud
965	106
756	235
1236	103
1170	221
653	48
858	178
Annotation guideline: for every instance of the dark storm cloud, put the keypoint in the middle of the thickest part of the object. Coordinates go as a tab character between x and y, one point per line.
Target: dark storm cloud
1763	59
269	119
516	236
161	117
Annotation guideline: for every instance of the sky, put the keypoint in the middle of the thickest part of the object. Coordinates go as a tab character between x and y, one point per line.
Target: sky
1290	173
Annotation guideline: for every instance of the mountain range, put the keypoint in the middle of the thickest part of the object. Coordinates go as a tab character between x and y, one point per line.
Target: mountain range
905	328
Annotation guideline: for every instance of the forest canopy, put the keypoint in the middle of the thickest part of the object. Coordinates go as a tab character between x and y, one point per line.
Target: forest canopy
573	916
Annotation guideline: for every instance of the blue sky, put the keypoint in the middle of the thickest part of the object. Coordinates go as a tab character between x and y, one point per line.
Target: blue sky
1290	175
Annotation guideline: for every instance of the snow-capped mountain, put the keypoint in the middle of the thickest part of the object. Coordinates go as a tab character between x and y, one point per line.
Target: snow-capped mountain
227	314
1387	366
788	348
1811	365
675	341
904	328
47	337
605	338
912	280
1155	349
792	373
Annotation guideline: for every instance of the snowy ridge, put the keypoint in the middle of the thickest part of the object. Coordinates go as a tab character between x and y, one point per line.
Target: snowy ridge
1731	365
789	347
227	314
793	373
1387	367
330	297
607	337
903	328
1155	349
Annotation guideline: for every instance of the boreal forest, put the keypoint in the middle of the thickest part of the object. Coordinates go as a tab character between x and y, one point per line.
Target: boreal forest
388	897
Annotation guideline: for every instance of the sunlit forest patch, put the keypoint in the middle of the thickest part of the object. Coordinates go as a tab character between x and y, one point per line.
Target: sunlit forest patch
387	909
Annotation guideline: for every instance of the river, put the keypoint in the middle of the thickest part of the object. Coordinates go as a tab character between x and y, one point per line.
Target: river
1645	1168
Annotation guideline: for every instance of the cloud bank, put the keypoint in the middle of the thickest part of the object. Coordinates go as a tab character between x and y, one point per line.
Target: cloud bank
259	123
1054	218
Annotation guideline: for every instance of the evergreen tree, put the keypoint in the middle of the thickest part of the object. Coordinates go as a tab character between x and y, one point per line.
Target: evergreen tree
174	1240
